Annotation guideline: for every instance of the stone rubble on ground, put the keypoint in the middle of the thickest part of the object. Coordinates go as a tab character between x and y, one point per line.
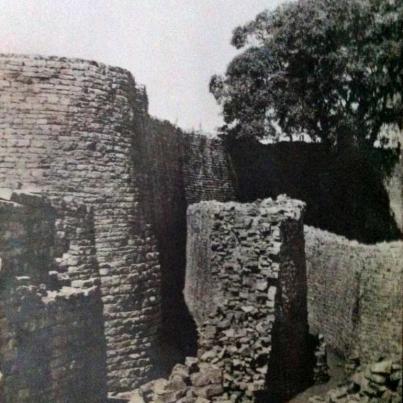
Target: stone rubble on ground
380	382
190	382
92	255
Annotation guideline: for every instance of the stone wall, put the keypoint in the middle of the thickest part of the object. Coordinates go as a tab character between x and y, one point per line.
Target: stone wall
354	294
52	345
69	128
180	168
246	289
207	170
79	132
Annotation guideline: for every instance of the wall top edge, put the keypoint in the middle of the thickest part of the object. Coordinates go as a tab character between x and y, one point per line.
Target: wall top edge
27	58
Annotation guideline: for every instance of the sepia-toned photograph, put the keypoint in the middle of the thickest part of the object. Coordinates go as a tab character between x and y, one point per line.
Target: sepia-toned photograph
201	201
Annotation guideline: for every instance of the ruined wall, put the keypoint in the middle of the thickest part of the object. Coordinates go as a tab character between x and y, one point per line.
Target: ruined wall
246	289
355	295
69	127
52	345
79	131
180	168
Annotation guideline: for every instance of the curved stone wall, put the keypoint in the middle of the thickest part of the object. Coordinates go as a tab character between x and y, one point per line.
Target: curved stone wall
354	294
70	127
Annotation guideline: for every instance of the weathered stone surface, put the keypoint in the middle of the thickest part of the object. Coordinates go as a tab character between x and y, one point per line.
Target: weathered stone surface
179	168
246	289
52	345
368	386
79	131
69	128
354	294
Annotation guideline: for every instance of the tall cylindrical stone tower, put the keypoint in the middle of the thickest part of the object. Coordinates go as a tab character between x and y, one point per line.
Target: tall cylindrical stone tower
69	128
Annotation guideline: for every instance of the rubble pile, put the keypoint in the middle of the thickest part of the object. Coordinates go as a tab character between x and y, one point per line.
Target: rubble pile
380	382
190	382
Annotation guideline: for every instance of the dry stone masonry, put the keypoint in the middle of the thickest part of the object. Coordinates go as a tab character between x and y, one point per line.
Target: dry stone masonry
68	128
180	168
52	345
354	295
78	131
246	289
93	201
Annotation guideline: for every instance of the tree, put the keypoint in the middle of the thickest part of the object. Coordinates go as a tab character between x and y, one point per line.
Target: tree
330	68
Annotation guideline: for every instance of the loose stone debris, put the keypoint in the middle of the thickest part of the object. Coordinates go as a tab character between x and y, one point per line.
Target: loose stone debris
380	382
93	200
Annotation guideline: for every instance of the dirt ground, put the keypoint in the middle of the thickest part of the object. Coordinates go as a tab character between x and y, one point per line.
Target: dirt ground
336	372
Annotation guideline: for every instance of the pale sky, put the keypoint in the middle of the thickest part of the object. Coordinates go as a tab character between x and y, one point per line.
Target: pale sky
173	47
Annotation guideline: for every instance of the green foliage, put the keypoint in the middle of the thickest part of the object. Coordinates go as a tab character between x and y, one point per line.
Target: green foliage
329	68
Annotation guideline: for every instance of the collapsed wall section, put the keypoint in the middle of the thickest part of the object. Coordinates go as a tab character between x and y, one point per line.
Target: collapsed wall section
52	345
246	289
69	128
355	295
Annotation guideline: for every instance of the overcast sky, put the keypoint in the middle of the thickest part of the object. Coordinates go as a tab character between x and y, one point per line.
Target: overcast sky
171	46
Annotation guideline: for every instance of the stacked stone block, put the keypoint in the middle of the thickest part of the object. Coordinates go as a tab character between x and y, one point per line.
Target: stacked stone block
179	168
27	236
355	295
207	170
79	130
246	289
52	345
69	128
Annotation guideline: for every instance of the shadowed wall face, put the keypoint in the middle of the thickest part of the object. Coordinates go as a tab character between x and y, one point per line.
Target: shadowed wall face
179	169
52	345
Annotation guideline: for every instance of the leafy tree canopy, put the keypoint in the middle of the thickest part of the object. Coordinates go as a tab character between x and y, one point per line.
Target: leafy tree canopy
330	68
